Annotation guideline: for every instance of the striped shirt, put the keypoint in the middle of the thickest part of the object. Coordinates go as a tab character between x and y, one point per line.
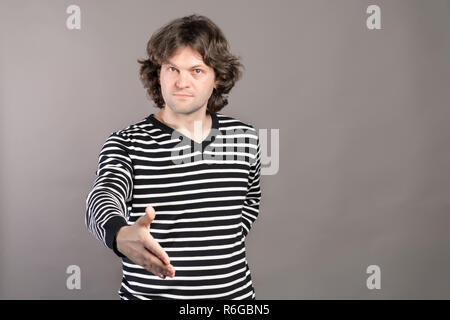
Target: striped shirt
206	197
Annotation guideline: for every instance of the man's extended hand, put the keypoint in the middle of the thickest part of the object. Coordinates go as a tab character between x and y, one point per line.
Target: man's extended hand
138	245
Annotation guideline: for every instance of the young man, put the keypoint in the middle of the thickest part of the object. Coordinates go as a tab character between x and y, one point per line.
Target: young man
177	192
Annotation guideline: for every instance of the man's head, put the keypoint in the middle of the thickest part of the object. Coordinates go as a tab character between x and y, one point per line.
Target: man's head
189	55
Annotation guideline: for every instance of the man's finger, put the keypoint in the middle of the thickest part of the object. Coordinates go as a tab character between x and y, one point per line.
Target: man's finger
147	218
155	266
154	247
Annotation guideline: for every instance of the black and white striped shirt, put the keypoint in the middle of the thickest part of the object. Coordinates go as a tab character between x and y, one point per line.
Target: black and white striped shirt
206	197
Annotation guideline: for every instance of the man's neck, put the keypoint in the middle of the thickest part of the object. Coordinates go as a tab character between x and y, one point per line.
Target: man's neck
186	123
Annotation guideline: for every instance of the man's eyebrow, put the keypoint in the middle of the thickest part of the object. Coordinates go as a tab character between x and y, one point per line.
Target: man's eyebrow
173	64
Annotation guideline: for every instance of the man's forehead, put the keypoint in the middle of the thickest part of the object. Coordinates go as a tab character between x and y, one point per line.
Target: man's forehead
192	65
195	58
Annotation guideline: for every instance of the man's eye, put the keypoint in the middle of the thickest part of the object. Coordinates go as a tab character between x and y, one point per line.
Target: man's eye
171	68
198	70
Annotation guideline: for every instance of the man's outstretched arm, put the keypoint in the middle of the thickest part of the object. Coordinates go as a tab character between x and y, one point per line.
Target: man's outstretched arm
106	209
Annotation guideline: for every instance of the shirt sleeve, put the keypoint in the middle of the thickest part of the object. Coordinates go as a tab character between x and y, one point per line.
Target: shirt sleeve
252	200
106	203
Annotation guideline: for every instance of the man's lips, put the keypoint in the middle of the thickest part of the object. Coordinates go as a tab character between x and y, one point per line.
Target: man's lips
182	95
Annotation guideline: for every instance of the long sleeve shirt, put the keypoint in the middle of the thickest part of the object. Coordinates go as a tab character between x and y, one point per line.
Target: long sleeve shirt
206	197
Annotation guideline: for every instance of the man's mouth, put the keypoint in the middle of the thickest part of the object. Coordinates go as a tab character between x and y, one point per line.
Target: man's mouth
182	95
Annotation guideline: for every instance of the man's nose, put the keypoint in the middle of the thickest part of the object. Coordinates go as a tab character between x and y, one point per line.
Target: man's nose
182	80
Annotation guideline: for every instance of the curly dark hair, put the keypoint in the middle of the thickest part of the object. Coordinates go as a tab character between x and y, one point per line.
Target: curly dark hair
203	36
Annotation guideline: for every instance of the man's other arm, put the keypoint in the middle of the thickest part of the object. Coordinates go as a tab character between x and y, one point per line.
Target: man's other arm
250	210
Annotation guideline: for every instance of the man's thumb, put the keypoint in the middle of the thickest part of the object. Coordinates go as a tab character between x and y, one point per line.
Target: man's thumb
148	217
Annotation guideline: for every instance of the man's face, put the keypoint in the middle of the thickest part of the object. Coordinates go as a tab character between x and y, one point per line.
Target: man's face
186	74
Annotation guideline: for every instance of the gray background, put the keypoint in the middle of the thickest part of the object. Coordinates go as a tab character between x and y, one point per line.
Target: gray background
363	115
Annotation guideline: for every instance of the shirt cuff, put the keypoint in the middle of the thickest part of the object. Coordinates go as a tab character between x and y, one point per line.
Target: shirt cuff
112	227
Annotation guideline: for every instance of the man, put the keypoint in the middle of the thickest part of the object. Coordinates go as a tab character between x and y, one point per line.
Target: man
167	198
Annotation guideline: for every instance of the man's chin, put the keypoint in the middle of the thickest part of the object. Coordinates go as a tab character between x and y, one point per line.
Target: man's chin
184	109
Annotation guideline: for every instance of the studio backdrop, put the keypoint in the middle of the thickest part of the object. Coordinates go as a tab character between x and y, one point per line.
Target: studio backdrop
351	97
